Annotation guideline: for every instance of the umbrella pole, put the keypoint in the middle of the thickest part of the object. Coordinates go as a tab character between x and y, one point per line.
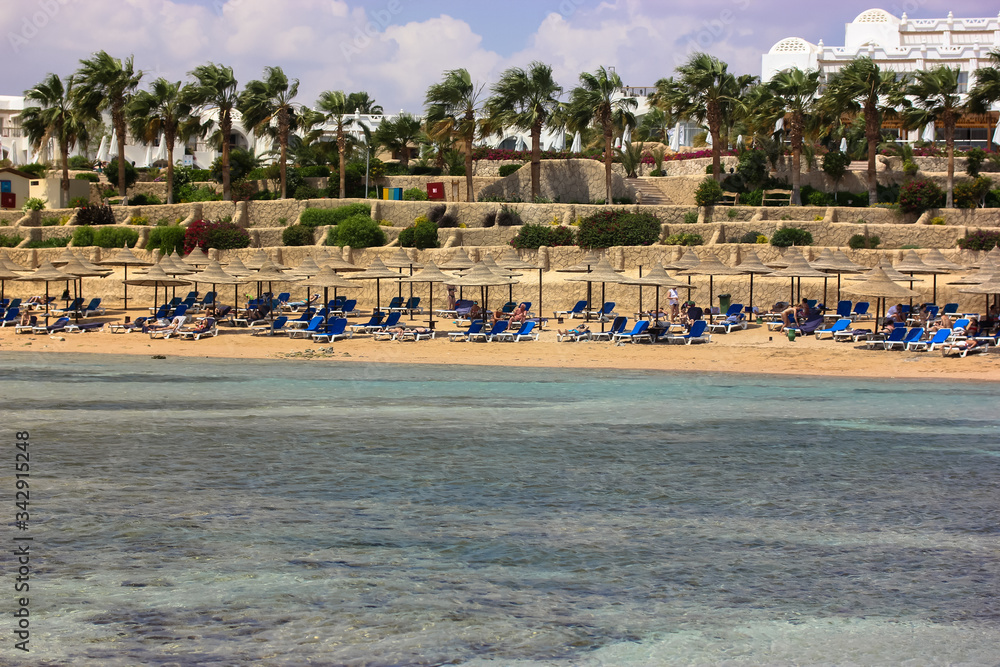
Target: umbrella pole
657	305
126	288
838	287
540	311
934	298
824	290
602	307
751	294
640	289
711	293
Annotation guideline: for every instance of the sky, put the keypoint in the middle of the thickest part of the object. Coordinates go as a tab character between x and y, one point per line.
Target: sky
395	49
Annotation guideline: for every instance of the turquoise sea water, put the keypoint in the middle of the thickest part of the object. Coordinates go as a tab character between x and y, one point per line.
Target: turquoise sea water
195	512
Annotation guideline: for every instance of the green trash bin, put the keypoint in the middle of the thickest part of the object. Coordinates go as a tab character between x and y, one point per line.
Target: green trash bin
725	300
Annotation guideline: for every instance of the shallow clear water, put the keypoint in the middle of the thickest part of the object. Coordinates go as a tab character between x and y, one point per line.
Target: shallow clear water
213	512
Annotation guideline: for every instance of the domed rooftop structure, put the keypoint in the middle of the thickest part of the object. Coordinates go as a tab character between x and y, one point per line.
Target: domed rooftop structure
875	16
793	45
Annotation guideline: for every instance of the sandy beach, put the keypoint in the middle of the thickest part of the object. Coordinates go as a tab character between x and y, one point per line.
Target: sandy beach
755	350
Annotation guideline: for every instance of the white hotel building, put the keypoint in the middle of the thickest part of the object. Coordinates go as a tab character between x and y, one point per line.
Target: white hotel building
903	45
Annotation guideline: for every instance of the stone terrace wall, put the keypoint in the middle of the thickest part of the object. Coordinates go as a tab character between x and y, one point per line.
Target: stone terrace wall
561	180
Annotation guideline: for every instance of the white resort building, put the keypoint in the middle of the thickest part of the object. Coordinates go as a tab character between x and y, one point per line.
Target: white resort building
903	45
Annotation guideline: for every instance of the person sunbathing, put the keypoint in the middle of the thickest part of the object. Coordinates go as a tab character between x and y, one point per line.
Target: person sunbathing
579	330
173	327
789	314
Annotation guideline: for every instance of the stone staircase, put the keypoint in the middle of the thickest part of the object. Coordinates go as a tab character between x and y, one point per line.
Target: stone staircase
648	193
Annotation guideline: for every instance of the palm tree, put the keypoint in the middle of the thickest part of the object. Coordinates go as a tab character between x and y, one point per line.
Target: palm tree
339	110
57	118
162	110
597	101
215	88
266	102
107	84
525	100
796	91
935	99
363	103
704	92
654	126
861	86
396	134
986	90
452	107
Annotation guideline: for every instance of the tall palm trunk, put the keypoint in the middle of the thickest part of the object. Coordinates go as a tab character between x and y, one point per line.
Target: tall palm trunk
118	120
715	129
169	137
949	140
64	185
283	143
796	138
226	127
470	119
536	160
608	159
871	134
342	148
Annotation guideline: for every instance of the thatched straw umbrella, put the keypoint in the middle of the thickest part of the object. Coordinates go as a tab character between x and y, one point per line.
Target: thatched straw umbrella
429	274
125	257
480	276
585	265
510	260
879	285
751	264
936	258
214	274
799	268
658	277
378	272
307	269
155	277
912	264
988	288
401	260
46	273
270	273
326	278
10	264
5	275
710	265
197	257
459	261
837	262
602	273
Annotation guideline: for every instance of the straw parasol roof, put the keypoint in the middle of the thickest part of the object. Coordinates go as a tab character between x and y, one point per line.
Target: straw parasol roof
307	268
589	261
986	270
459	261
510	260
601	273
338	263
710	265
327	278
796	267
878	284
751	264
376	270
214	274
46	272
889	271
400	260
125	257
197	257
936	258
76	268
260	259
688	259
7	274
658	277
67	255
156	277
171	267
270	273
911	263
10	264
480	276
237	268
492	265
989	286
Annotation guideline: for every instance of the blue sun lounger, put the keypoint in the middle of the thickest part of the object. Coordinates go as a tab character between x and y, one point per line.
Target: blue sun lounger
527	331
475	327
940	337
489	336
336	328
697	334
638	332
839	325
575	311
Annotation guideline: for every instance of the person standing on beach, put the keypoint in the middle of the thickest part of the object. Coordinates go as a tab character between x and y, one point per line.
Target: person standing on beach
675	304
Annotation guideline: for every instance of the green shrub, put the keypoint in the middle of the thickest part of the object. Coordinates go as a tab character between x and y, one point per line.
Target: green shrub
34	170
111	172
691	217
188	194
319	217
241	163
974	158
33	204
414	194
534	236
750	237
420	170
50	222
608	228
306	192
708	193
55	242
752	198
421	234
297	235
439	215
508	169
790	236
138	220
167	239
657	172
919	196
88	176
813	197
863	241
508	216
144	200
223	235
683	239
360	231
95	215
979	240
910	168
938	220
77	202
80	162
969	194
83	236
835	164
314	171
10	241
